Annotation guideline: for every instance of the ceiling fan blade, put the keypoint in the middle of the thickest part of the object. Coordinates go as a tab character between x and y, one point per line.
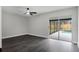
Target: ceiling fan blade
33	12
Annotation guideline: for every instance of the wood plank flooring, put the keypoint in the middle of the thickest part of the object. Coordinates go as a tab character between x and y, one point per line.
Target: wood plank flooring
0	49
29	43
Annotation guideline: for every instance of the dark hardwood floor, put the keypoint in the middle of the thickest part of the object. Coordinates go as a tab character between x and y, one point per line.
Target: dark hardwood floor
0	49
29	43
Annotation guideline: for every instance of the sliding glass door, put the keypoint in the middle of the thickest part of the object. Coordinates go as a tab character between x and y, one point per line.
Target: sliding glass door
61	29
54	29
65	32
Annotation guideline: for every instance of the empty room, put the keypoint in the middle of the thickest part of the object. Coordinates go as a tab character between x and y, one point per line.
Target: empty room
39	29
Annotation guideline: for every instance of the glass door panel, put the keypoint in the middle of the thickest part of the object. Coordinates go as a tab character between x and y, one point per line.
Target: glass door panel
65	32
61	29
54	29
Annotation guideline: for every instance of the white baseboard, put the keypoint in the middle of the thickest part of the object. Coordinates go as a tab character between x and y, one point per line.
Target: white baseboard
13	36
24	34
38	35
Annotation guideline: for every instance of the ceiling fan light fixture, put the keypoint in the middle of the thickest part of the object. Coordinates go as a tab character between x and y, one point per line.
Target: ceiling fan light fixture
28	12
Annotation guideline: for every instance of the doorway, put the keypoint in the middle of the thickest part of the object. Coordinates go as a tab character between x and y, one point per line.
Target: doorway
61	29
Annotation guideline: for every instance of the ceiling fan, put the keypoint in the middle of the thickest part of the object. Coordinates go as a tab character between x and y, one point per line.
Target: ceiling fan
28	12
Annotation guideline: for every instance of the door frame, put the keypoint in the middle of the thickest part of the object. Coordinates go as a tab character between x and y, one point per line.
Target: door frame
70	18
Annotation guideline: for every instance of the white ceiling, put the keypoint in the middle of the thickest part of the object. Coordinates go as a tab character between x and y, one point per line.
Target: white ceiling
20	10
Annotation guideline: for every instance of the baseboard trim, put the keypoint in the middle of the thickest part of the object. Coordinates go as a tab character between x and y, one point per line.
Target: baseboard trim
0	49
23	35
13	36
37	36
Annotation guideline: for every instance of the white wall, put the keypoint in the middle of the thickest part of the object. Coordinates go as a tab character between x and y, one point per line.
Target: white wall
13	25
0	29
78	26
39	24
